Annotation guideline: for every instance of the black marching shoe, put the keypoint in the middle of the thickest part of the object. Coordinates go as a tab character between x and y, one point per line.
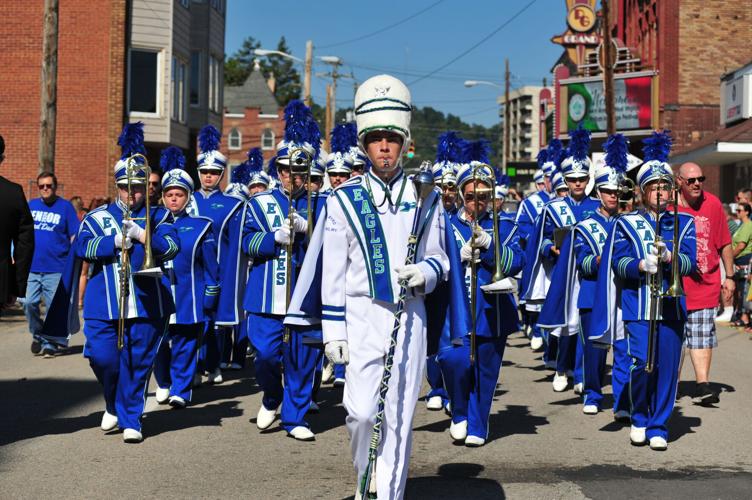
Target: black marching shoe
705	395
36	347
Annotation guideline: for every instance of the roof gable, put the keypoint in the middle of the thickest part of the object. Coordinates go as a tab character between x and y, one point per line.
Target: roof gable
254	93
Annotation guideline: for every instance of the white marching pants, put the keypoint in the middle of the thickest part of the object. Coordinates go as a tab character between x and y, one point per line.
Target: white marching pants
369	326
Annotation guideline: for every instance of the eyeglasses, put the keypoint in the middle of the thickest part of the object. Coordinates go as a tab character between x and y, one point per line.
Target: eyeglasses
692	180
45	186
577	180
474	197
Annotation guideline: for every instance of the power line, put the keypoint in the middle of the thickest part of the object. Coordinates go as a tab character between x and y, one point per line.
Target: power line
385	28
476	45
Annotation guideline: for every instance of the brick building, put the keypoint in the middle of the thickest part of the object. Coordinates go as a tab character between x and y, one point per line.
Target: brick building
158	61
252	118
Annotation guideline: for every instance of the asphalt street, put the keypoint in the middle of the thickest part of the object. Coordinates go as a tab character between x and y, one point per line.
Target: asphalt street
541	445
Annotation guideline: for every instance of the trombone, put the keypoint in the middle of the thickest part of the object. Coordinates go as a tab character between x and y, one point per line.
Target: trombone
300	161
655	281
134	164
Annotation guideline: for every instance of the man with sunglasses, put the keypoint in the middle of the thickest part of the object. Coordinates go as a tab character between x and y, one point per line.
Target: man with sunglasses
702	286
55	225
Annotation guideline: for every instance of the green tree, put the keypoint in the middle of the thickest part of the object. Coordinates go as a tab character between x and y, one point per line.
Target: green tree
240	64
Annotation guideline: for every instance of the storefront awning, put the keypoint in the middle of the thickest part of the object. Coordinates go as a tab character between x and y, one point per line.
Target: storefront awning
726	146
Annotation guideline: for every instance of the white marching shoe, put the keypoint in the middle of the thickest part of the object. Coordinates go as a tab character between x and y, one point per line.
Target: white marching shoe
215	377
590	410
578	388
637	436
536	343
265	418
302	433
109	422
177	402
474	441
161	395
561	381
658	443
132	436
458	431
434	403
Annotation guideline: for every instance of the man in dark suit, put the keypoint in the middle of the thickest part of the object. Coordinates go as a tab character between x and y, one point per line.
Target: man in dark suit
16	229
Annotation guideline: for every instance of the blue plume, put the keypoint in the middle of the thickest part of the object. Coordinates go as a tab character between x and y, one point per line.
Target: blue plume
616	152
450	148
344	136
172	158
314	135
477	151
657	146
255	161
208	139
297	118
241	174
498	175
542	157
579	143
555	151
271	168
131	140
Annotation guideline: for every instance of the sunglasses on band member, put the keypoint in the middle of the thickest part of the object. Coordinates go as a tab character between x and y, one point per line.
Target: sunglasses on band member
692	180
473	197
46	186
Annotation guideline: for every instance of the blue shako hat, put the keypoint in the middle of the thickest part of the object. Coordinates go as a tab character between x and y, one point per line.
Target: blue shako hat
503	182
208	142
554	156
475	153
301	132
131	142
577	163
256	174
344	138
610	175
172	163
656	149
449	156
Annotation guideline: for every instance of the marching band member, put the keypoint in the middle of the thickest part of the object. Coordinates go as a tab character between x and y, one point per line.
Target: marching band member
471	387
563	214
192	277
104	235
635	271
361	278
210	201
238	185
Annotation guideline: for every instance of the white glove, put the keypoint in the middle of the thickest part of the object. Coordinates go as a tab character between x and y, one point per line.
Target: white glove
660	251
411	274
282	235
133	230
337	352
649	264
120	243
482	239
299	223
466	252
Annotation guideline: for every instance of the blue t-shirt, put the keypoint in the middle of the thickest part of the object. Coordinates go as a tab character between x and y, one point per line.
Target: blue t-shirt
53	227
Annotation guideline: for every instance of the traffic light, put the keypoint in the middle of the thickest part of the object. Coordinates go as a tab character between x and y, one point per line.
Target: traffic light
411	150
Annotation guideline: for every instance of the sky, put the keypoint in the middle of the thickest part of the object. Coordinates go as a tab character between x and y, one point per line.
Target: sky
434	33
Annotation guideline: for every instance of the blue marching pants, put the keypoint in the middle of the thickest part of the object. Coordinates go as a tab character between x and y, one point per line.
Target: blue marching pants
471	388
566	353
235	344
265	332
177	360
593	363
550	347
301	360
620	376
124	374
435	379
214	341
653	394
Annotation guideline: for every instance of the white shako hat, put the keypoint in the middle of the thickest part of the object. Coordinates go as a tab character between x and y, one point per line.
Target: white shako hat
383	103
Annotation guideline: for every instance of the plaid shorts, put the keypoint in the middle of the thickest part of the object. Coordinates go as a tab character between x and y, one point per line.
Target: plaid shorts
699	330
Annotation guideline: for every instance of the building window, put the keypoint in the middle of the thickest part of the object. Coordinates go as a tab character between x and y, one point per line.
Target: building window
195	87
267	139
143	81
215	87
179	70
235	139
185	3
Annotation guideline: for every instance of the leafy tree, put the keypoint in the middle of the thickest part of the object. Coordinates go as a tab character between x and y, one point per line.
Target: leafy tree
240	64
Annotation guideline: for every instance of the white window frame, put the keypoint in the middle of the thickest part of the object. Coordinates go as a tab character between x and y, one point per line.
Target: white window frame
264	136
178	101
160	72
215	87
231	139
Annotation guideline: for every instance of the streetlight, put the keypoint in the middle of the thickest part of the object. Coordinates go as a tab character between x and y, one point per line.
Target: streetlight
473	83
264	52
505	137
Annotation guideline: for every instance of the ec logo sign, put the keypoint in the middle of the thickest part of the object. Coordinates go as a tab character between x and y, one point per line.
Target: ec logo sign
581	18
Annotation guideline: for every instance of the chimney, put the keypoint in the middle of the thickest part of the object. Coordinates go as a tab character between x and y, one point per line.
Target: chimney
272	83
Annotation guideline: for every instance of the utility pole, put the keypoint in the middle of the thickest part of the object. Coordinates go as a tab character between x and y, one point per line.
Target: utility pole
331	93
608	69
507	118
328	115
307	77
48	116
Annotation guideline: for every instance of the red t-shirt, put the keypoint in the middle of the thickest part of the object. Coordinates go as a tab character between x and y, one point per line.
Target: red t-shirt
703	286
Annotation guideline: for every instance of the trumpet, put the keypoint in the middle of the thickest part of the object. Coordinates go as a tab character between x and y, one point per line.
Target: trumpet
134	165
300	161
655	283
475	179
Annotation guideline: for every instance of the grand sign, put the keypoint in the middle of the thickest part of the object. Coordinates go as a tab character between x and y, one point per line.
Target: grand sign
581	35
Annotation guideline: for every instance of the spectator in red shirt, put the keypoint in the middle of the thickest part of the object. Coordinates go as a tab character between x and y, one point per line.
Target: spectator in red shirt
701	288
